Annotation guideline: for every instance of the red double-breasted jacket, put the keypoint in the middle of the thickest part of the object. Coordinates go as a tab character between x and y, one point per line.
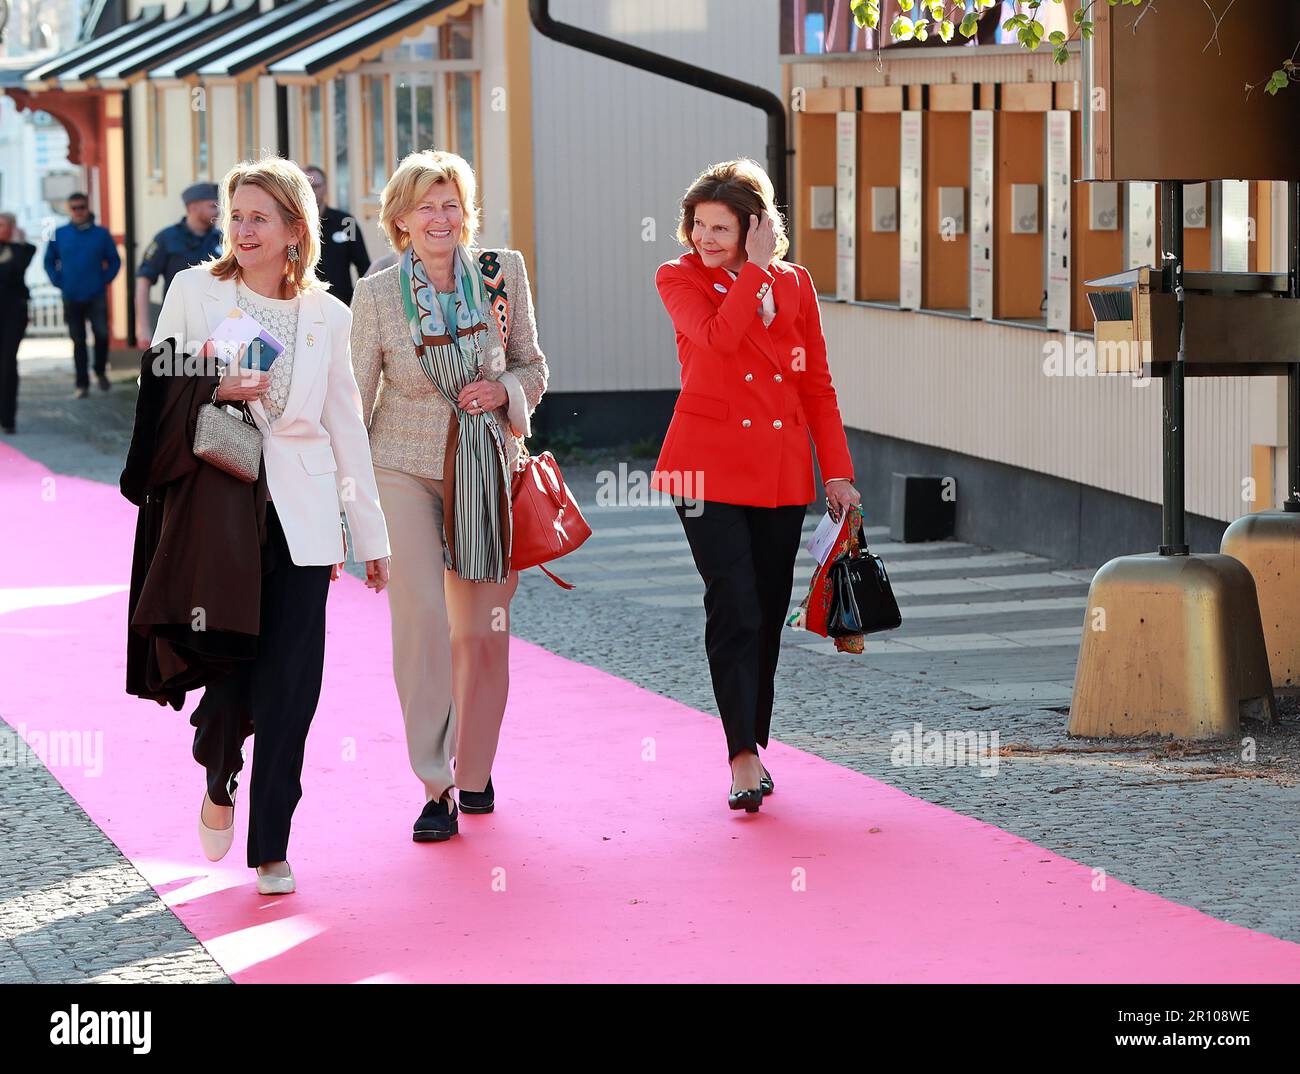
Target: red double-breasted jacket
752	394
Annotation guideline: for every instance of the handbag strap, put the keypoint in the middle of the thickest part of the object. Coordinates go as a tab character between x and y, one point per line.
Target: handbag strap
239	404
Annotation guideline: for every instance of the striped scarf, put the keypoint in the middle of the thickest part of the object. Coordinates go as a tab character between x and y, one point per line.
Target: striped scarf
476	496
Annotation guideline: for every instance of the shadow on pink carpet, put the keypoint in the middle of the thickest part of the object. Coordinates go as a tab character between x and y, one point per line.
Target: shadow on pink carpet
612	856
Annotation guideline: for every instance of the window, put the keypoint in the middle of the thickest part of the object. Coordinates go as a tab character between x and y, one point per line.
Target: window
153	108
313	127
462	99
342	176
433	86
248	143
457	39
413	107
199	130
373	123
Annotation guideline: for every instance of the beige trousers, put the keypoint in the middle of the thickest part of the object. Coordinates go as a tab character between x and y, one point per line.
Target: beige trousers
451	642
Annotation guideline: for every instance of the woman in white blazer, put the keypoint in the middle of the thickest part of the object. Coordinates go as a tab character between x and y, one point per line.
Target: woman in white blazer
316	460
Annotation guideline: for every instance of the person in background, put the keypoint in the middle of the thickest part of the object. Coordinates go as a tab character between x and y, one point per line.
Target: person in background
341	244
16	254
381	263
192	239
82	260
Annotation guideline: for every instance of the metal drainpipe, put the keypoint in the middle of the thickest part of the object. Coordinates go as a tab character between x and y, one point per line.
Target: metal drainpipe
699	77
128	229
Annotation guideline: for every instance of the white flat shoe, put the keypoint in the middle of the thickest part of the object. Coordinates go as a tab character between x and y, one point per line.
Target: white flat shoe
215	841
275	885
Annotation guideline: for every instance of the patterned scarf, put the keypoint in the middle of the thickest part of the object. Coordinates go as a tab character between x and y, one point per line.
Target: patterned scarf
476	501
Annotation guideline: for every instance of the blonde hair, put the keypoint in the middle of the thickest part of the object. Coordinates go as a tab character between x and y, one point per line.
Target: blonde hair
417	172
287	184
744	188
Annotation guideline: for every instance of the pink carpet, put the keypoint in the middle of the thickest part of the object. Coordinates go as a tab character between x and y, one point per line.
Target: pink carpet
612	856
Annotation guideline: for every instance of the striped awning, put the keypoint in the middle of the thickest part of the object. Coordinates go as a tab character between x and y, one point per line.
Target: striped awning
84	72
364	40
257	49
52	68
180	39
189	61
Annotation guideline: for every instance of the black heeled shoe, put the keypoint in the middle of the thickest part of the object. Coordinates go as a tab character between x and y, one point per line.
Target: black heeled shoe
478	801
765	783
437	822
749	799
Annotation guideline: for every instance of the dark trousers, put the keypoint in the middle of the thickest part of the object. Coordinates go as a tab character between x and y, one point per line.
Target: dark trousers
273	697
76	314
13	326
746	557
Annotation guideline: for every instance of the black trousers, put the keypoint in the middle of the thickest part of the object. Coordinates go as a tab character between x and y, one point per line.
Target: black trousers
273	697
746	557
13	326
76	314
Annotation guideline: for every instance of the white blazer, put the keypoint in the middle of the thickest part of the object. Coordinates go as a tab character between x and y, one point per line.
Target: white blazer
317	453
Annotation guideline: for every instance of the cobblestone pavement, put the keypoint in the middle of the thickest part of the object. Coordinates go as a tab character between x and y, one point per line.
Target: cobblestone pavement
988	644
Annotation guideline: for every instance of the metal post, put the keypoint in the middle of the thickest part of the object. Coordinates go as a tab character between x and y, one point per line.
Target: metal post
128	182
1293	369
1173	516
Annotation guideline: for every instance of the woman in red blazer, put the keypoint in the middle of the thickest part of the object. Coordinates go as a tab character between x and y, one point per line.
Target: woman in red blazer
736	458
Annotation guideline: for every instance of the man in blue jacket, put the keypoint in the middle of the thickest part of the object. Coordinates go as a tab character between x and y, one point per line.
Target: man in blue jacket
81	260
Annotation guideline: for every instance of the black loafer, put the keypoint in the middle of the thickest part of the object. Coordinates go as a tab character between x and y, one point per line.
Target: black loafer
477	801
438	821
749	800
765	783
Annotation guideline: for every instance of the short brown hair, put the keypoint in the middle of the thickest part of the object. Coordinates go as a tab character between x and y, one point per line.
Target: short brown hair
287	184
744	188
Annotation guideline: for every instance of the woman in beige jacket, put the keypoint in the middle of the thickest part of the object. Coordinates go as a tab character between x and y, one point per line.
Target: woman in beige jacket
444	348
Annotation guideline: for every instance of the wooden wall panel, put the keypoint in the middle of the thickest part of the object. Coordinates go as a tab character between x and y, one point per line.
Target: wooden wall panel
945	262
877	252
814	140
1018	285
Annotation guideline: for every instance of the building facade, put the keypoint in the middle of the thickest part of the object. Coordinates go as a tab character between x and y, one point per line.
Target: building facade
936	202
581	160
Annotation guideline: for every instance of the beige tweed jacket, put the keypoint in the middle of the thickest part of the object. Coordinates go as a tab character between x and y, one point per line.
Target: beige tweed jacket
406	416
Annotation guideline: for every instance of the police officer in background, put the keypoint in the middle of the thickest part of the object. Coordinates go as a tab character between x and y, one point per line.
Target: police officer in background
191	240
341	243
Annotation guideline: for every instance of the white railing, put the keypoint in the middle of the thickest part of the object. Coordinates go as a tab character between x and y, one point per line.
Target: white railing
45	311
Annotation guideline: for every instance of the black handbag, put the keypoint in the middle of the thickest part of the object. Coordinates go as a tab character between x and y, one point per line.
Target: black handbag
862	601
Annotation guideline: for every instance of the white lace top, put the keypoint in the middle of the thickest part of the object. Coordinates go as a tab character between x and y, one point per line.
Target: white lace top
279	316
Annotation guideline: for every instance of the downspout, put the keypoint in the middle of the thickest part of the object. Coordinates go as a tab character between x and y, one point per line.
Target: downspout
699	77
128	230
282	120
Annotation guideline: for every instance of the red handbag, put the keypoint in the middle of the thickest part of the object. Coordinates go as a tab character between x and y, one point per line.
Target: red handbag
547	523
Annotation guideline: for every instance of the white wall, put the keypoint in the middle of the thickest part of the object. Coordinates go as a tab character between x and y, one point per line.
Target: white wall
980	389
612	146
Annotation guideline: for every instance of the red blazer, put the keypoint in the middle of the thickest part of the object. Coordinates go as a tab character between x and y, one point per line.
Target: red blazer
751	393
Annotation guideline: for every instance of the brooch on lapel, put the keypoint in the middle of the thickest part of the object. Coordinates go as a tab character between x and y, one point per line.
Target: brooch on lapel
311	341
719	287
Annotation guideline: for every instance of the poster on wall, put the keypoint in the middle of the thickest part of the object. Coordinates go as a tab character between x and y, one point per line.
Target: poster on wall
1059	291
981	214
1140	212
910	197
846	212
